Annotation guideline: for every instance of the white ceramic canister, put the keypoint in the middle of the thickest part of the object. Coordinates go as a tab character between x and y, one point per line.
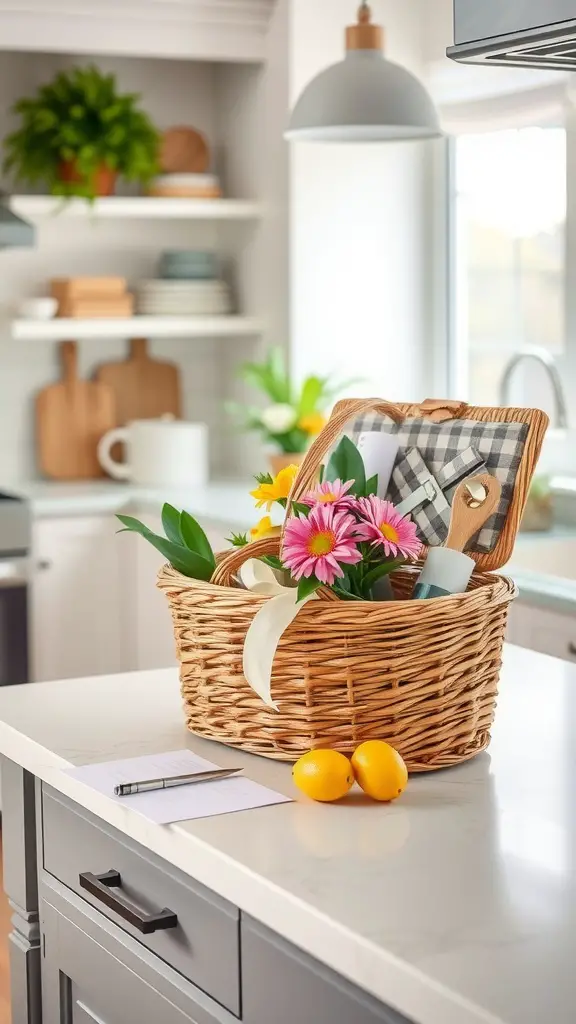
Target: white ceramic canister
444	572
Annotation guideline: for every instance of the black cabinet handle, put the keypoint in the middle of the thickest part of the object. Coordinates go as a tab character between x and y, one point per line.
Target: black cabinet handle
100	887
572	649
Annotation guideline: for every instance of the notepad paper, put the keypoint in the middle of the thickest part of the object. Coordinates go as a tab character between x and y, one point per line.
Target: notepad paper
199	800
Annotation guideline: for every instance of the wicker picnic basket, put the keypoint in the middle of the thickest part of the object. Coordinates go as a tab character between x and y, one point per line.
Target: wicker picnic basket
422	675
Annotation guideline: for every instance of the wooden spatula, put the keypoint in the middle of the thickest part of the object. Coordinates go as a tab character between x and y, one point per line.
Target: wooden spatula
474	501
71	417
144	388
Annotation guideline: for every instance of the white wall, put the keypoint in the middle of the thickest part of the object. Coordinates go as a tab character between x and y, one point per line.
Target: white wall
359	234
253	108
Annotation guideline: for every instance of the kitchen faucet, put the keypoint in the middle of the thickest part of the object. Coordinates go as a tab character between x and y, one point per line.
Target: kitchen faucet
542	356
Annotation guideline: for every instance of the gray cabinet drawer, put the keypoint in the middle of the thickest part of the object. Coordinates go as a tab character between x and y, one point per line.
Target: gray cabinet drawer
281	985
92	973
204	945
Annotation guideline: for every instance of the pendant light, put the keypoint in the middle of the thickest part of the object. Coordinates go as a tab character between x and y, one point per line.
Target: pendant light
365	97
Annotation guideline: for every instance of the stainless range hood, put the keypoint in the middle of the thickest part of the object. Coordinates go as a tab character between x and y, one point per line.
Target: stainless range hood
516	33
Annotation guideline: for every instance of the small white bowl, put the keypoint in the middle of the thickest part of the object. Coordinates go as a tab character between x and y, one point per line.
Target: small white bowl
39	309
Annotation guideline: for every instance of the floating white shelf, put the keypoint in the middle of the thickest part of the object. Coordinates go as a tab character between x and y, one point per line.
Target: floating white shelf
138	207
65	329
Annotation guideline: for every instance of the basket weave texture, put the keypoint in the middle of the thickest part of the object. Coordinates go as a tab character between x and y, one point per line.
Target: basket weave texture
422	675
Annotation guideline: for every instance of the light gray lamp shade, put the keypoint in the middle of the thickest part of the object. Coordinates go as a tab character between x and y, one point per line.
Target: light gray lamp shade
363	98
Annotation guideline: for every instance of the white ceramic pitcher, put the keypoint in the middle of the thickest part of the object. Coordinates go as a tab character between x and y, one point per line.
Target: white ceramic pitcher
159	452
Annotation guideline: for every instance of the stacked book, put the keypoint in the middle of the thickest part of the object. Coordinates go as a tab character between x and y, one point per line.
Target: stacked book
188	285
92	297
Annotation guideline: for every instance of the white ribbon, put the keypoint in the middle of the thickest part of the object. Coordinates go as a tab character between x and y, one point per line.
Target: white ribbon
267	626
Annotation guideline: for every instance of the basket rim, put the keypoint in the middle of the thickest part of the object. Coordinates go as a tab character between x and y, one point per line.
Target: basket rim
505	589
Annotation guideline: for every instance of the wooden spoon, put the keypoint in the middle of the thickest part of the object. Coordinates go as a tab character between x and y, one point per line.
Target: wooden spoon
474	501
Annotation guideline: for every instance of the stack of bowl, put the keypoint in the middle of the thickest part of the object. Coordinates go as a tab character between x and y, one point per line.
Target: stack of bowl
188	285
188	265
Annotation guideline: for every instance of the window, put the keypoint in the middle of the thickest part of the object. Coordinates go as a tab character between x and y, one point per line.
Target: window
509	265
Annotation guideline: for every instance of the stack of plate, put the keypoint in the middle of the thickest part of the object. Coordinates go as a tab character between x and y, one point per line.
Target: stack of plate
188	265
183	298
185	185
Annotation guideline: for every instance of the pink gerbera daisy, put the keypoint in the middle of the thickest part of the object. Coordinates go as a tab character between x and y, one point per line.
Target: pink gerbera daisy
316	544
330	492
380	523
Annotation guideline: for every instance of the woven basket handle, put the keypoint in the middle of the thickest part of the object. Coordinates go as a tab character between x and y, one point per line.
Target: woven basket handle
342	414
228	566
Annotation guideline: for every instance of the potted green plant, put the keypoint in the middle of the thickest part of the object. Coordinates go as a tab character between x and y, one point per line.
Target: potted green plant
78	133
293	416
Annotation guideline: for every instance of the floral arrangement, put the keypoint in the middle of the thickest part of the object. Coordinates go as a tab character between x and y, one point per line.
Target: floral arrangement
340	535
294	415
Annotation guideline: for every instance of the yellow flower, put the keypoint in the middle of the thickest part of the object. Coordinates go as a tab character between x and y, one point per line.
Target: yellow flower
267	494
313	423
264	529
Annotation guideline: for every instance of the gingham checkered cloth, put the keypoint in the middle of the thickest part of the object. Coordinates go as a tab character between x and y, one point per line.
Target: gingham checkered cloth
451	451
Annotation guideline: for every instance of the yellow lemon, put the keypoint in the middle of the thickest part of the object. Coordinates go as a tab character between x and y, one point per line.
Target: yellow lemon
379	770
323	775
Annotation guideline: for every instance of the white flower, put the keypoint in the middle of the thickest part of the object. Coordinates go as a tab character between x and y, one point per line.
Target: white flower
279	418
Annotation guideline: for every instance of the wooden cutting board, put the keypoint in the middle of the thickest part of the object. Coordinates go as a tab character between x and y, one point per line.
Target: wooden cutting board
71	417
144	388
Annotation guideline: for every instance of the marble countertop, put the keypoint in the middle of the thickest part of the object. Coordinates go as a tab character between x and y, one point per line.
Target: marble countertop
455	905
226	501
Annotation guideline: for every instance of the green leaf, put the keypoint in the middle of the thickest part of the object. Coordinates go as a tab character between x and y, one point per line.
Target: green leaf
307	586
372	485
310	396
171	523
379	571
187	562
346	595
237	540
273	561
346	463
279	373
195	539
298	507
270	376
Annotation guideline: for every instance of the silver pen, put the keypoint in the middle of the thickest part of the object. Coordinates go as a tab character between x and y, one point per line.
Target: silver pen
149	785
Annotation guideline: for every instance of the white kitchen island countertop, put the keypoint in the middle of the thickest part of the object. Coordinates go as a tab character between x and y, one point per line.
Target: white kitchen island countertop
455	905
226	501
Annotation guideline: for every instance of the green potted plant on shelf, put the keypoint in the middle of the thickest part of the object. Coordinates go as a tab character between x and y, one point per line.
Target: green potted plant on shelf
78	133
294	415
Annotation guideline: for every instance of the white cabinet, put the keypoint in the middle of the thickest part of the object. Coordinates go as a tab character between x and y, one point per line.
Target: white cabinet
542	630
95	607
77	617
153	636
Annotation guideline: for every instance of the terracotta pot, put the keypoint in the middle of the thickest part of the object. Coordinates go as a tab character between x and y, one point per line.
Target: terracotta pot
104	177
281	461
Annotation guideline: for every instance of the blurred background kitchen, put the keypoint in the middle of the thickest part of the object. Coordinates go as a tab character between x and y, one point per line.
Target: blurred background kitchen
438	268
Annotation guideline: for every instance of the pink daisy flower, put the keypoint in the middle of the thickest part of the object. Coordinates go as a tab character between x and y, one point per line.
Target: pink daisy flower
330	492
380	523
316	544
